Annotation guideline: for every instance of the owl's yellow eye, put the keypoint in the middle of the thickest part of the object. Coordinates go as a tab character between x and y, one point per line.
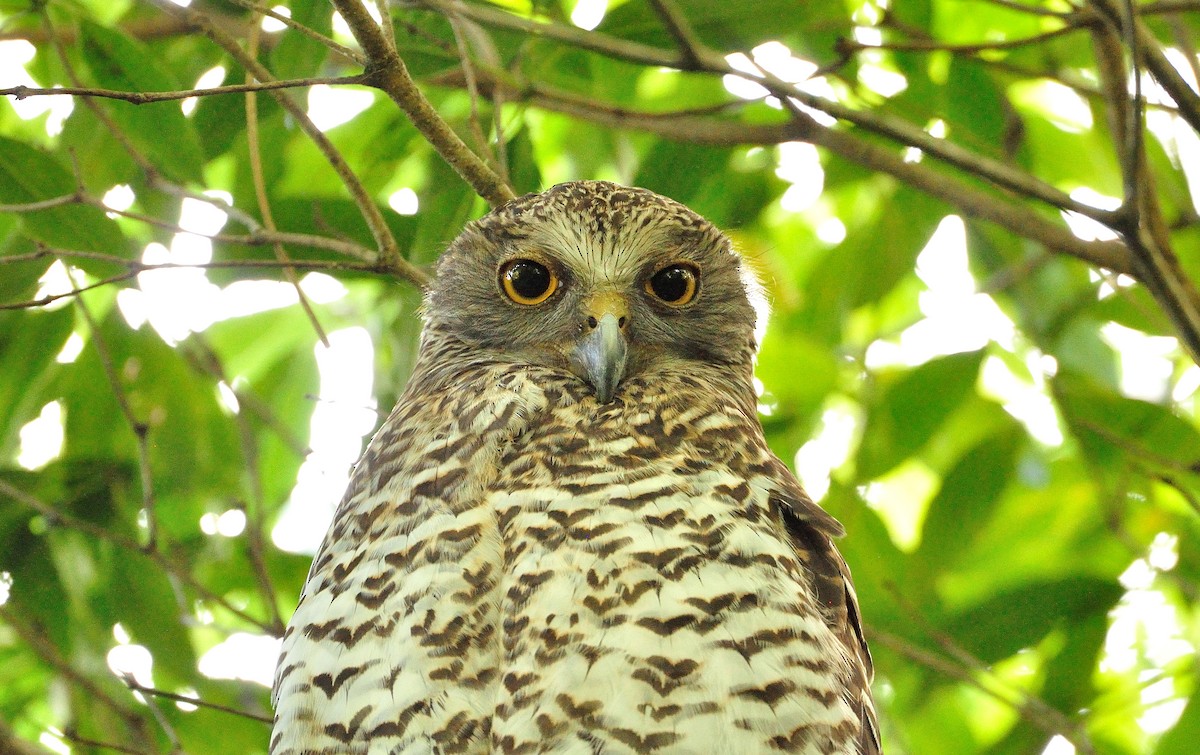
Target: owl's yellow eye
527	282
675	284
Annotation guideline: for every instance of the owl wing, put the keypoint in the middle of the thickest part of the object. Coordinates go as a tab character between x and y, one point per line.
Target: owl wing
811	530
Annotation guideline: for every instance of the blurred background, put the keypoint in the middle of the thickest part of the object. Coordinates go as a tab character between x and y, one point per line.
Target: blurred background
977	223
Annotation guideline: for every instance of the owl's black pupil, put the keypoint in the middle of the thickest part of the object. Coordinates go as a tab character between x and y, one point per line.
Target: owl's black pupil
671	283
529	279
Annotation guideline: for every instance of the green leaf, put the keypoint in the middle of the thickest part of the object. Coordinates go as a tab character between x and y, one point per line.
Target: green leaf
796	372
192	444
911	408
29	342
967	499
37	591
29	175
1019	618
862	270
297	55
1182	738
159	129
1111	426
978	113
149	609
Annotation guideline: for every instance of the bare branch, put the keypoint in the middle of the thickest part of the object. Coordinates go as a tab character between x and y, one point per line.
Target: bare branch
44	204
133	685
137	266
1037	713
1140	220
851	46
260	196
388	72
1036	10
143	98
971	201
140	428
691	49
38	641
300	28
1151	52
594	41
13	745
386	242
994	171
178	571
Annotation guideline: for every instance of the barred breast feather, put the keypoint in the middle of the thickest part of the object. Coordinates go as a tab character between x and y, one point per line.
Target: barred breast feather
516	568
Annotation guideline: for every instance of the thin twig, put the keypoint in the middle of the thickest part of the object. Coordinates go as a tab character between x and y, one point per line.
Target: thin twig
180	571
138	266
133	685
931	45
44	204
11	744
300	28
1156	60
207	360
1139	219
140	428
994	171
691	49
967	198
573	36
1017	700
468	70
74	737
388	73
384	239
264	204
385	21
1036	10
143	98
144	164
38	641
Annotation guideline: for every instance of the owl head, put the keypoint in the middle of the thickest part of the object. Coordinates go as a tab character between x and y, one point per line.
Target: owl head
604	281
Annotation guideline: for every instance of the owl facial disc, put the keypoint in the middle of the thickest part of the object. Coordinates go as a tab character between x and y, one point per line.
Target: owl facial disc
599	356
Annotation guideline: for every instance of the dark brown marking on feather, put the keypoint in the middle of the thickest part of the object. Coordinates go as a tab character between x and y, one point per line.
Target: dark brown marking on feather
668	627
647	743
374	600
344	733
770	693
584	712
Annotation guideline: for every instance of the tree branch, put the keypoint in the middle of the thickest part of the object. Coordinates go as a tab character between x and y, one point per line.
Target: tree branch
143	98
384	239
178	571
1033	710
898	130
699	130
264	204
1151	53
1140	219
387	72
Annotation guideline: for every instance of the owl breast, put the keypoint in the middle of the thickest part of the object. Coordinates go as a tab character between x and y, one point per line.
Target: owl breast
547	574
650	602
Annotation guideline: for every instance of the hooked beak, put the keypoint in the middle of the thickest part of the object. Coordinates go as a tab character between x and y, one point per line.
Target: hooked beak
600	355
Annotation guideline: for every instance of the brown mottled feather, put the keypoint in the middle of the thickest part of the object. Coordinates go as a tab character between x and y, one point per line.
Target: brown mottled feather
516	567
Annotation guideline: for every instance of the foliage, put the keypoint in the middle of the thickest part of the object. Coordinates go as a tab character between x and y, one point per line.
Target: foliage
1022	511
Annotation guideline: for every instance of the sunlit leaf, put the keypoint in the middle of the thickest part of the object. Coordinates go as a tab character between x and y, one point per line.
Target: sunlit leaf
119	62
911	408
28	175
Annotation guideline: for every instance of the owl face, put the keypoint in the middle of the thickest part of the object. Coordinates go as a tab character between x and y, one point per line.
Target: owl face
598	279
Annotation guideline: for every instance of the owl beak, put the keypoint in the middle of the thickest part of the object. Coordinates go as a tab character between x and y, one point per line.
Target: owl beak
599	356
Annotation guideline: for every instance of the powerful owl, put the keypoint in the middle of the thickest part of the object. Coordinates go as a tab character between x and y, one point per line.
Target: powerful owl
570	535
